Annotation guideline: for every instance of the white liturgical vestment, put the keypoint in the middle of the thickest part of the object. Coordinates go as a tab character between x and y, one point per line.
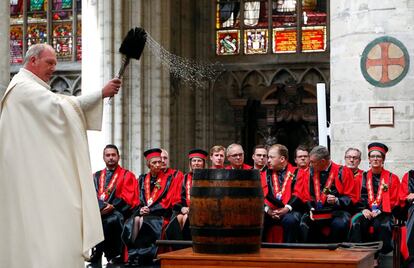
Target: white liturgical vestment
48	205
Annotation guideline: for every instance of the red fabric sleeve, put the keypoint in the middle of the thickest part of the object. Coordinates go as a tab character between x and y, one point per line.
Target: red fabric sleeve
302	185
403	191
347	184
394	194
127	189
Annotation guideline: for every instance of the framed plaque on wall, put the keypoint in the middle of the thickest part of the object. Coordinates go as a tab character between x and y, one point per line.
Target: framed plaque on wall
381	116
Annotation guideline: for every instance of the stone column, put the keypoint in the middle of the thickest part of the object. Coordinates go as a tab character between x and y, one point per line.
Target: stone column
355	25
4	46
101	36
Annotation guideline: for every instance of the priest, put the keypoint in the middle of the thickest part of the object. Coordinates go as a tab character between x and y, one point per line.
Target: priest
46	192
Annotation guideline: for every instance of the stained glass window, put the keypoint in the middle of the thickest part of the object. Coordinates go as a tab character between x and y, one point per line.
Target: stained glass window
228	42
255	41
57	22
287	26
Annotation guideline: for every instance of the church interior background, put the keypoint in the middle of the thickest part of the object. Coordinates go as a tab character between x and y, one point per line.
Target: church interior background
272	54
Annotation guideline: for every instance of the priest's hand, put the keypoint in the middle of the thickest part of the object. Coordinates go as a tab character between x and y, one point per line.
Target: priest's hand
111	88
410	197
107	209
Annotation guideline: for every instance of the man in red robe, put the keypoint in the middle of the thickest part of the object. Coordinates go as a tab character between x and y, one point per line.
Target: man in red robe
327	189
406	194
217	157
259	157
281	207
377	200
352	161
157	190
117	193
235	155
302	157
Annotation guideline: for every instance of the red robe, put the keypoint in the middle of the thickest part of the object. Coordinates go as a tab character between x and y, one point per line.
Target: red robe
125	186
342	186
389	197
268	184
244	166
357	184
407	187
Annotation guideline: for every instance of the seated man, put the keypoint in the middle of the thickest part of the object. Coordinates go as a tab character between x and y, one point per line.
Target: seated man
302	157
407	202
260	157
152	214
217	157
179	228
281	207
235	155
117	194
378	198
327	190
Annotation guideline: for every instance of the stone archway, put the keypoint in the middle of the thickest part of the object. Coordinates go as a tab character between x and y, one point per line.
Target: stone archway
291	116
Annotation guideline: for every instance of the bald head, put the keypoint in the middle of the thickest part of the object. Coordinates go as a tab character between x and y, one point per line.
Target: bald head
41	60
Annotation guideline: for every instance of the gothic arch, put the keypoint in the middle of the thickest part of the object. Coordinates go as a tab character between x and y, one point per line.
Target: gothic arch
283	75
313	76
228	81
60	84
254	83
77	86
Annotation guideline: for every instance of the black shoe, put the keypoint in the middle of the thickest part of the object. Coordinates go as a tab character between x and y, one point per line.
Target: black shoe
96	257
132	262
116	260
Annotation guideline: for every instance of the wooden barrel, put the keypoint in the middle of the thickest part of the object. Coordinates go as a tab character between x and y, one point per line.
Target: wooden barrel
226	211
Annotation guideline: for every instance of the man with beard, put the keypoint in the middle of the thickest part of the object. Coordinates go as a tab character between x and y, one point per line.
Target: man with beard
117	192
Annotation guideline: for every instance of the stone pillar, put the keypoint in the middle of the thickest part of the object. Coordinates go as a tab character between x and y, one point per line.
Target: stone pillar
4	46
355	25
101	36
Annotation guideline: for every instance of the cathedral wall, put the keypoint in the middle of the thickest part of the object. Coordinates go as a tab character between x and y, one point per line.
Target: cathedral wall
354	26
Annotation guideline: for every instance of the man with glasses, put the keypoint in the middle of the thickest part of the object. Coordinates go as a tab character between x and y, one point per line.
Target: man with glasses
260	157
352	161
302	157
235	155
377	200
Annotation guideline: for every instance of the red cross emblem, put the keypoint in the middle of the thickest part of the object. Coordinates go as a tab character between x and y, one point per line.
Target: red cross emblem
384	62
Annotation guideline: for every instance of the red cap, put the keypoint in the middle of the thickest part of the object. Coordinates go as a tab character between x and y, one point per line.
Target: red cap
197	153
155	152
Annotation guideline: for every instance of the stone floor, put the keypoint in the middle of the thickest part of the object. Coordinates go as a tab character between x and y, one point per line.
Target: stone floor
109	265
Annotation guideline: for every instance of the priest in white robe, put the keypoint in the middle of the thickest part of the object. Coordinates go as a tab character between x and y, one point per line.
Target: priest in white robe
50	216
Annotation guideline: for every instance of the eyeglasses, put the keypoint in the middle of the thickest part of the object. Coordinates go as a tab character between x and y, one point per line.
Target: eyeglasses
352	157
237	155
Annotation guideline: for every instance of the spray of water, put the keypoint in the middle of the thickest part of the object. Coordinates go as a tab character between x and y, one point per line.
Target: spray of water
187	70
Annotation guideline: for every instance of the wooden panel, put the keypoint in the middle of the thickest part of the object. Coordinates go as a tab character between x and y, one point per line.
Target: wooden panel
289	258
